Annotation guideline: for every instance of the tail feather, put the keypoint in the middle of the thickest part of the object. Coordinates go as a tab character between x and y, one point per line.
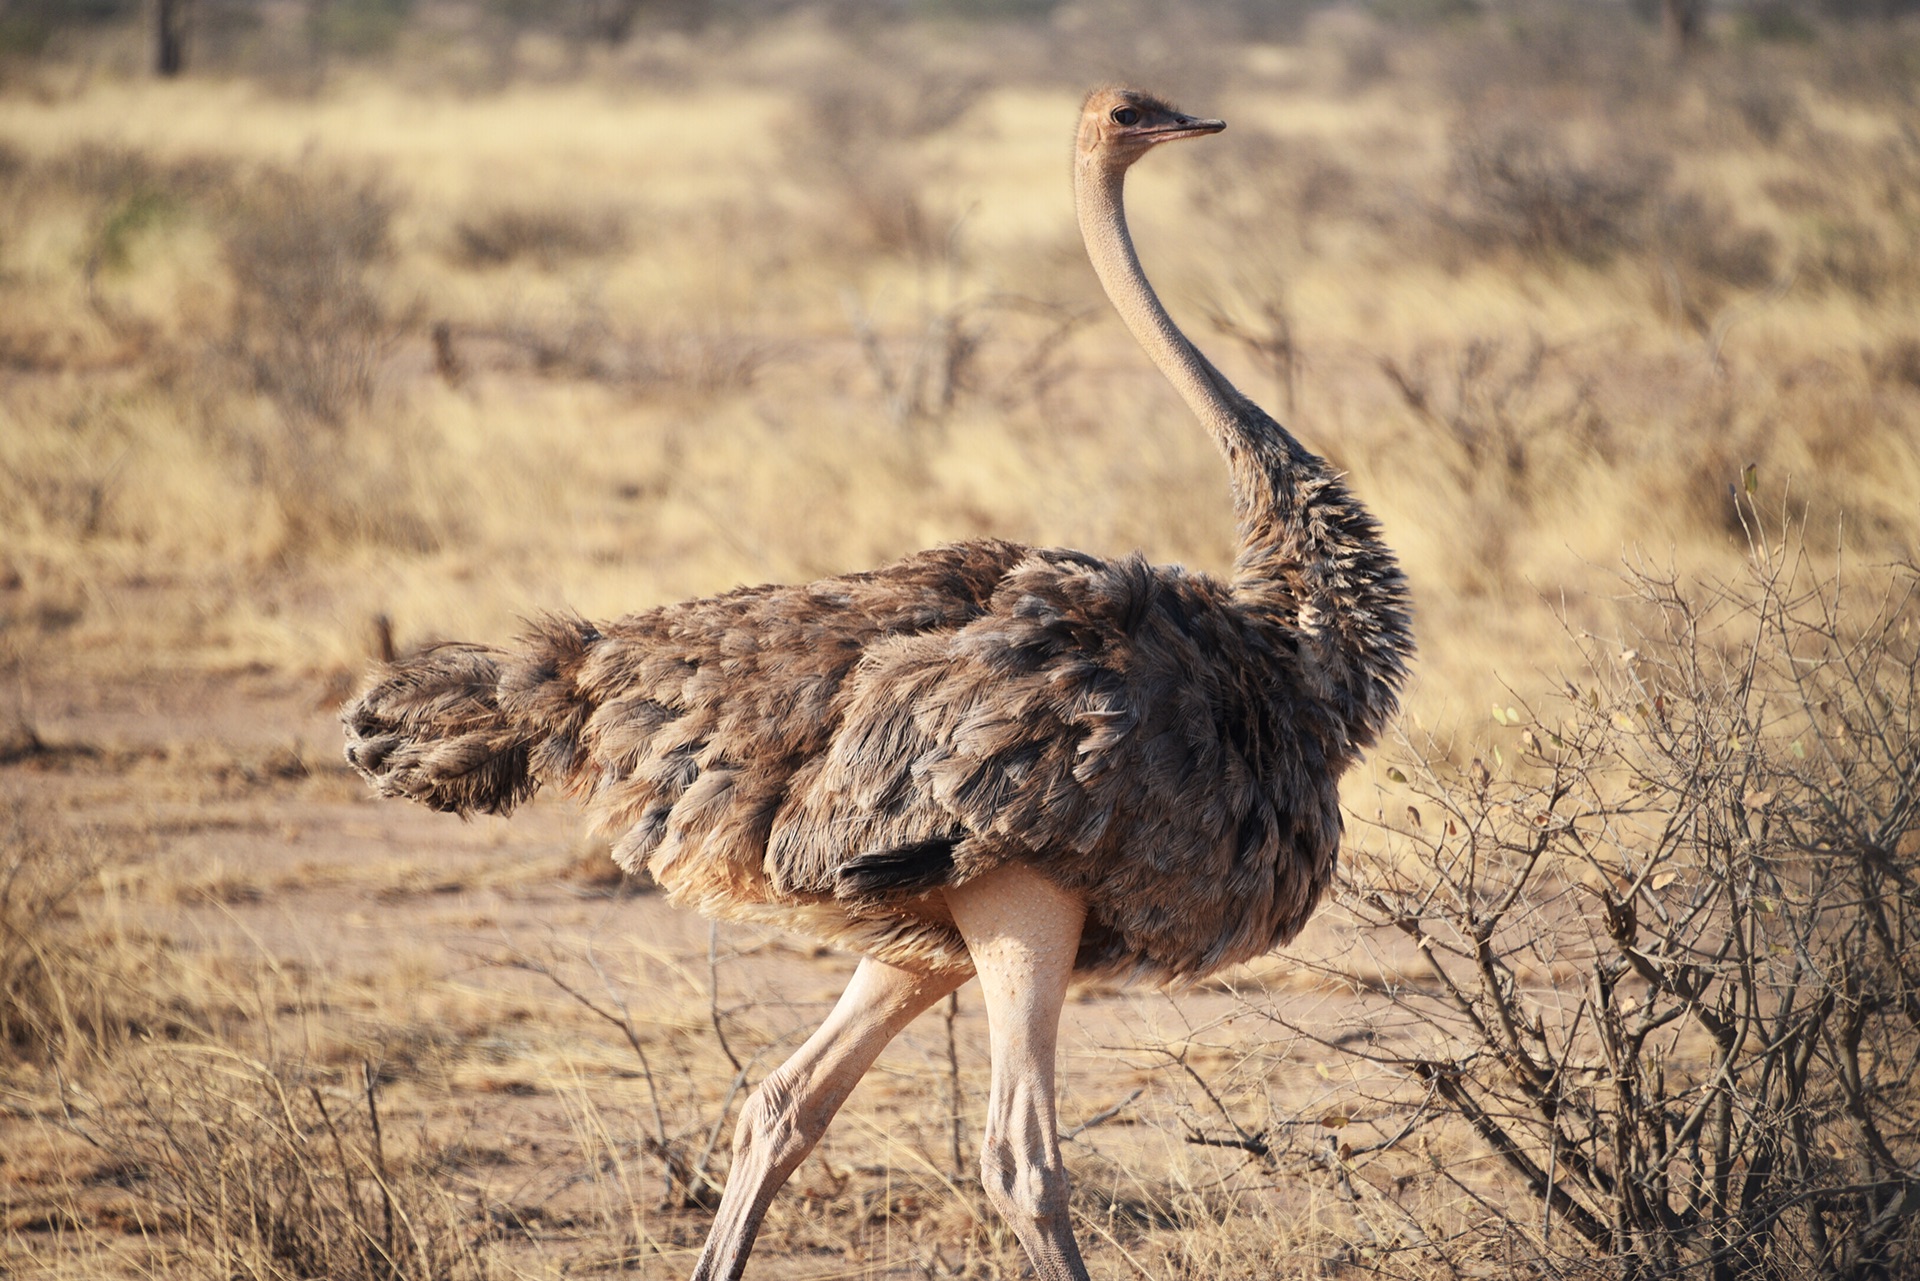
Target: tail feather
541	686
430	729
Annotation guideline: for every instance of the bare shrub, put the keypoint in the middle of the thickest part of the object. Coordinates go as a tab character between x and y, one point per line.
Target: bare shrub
1179	51
548	236
117	199
923	383
129	193
589	342
1775	22
1278	191
864	142
1701	235
960	344
58	996
358	483
1704	252
686	1157
1366	57
1504	423
308	333
1872	63
964	346
1850	255
1511	423
357	28
1861	205
1665	935
309	324
271	1173
1897	362
1517	185
1271	199
1551	51
1768	109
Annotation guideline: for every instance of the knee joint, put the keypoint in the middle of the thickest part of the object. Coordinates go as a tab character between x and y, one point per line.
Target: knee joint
1021	1185
773	1121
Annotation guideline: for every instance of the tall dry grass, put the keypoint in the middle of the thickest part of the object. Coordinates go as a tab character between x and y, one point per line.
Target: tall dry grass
53	1005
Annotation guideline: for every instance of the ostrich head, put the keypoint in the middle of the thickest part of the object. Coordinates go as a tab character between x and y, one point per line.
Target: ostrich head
1118	126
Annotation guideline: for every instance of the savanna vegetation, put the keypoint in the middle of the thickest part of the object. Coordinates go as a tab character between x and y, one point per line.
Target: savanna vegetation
381	322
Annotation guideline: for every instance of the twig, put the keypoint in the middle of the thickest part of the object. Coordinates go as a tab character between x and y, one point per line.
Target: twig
1256	1145
1103	1116
658	1143
1344	1186
957	1130
713	995
372	1080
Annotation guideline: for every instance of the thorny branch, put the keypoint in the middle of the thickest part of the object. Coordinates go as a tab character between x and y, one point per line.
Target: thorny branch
1711	1074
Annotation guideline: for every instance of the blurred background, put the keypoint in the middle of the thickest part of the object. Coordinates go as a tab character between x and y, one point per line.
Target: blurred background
332	327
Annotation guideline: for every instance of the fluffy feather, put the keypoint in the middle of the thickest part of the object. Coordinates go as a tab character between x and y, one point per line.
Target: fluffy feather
429	728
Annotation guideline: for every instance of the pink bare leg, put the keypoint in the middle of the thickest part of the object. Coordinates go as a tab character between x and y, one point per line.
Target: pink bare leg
787	1115
1023	932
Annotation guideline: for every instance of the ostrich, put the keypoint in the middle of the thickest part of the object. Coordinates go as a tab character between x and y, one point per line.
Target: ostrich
983	760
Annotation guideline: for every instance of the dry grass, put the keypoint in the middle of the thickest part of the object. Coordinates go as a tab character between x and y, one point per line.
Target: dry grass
448	324
645	387
51	1007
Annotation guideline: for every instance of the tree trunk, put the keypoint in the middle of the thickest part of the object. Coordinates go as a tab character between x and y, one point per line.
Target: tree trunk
616	21
170	37
1682	21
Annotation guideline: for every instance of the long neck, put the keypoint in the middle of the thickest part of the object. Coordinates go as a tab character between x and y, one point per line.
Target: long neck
1103	225
1311	558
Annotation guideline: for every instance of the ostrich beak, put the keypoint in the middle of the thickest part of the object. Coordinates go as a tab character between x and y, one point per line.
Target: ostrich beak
1185	127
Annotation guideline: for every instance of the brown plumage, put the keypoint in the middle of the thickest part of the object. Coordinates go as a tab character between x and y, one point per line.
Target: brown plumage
1163	744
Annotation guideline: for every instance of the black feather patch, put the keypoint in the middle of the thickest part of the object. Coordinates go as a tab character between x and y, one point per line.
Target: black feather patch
907	869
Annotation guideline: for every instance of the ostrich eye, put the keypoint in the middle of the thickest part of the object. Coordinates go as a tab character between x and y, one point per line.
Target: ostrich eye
1125	116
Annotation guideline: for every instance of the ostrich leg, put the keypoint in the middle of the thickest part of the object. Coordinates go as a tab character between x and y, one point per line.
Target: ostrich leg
1023	932
790	1110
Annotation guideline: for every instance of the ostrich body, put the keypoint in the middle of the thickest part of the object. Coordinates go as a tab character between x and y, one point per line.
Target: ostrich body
983	759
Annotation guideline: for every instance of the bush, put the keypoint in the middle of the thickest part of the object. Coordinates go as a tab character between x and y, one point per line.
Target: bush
55	997
1668	935
863	143
548	236
1520	186
275	1173
308	322
1703	237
